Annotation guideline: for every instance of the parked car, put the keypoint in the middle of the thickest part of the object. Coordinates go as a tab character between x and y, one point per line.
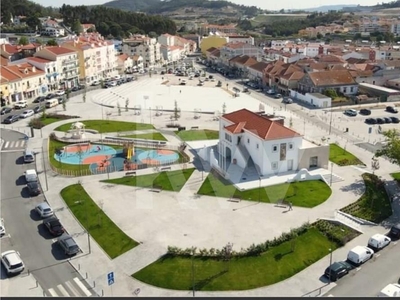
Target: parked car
33	188
6	110
395	120
391	109
59	92
387	120
54	226
287	100
11	119
395	231
337	270
365	112
12	262
38	109
30	175
96	82
20	104
26	114
359	255
278	96
75	89
378	241
60	100
371	121
2	228
350	112
44	210
39	99
51	96
68	244
270	92
380	121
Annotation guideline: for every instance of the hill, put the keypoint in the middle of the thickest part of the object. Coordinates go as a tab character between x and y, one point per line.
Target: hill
326	8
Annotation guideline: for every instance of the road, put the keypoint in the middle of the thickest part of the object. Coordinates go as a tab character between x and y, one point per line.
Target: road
371	277
42	257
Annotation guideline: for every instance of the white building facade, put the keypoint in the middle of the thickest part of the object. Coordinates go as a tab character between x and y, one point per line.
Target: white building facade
144	46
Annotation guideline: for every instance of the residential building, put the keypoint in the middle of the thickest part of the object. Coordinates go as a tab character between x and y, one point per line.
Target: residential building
231	50
88	27
213	56
11	52
53	76
171	53
193	37
18	20
125	64
97	56
21	82
239	65
250	139
53	31
137	61
256	71
318	82
212	41
186	46
247	39
144	46
206	29
66	64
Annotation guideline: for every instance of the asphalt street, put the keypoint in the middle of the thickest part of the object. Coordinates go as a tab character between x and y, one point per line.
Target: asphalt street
372	277
42	257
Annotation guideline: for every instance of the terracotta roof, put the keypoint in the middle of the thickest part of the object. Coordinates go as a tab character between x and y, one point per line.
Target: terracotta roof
209	50
234	45
245	120
16	72
353	60
244	60
123	57
39	60
3	61
11	49
318	66
328	78
8	75
59	50
87	26
216	53
329	58
259	66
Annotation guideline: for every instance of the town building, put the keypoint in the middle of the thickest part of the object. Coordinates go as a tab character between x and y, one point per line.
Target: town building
207	29
144	46
125	64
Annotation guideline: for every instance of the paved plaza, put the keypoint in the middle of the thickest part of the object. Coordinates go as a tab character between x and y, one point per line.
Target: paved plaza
185	219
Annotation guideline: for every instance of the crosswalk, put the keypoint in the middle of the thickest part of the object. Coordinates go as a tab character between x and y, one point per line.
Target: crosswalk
72	288
14	145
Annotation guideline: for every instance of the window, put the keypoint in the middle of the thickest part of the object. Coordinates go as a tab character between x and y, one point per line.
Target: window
291	146
274	165
351	89
258	146
345	90
248	141
228	137
274	148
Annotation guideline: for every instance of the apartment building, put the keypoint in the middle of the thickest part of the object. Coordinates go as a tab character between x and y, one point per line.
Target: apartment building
21	82
66	61
206	29
53	76
144	46
177	43
231	50
97	57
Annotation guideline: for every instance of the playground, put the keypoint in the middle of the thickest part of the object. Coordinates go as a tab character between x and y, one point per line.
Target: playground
102	158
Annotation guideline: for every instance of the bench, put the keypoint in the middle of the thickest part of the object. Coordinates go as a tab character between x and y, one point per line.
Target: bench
165	168
234	199
194	127
156	189
128	174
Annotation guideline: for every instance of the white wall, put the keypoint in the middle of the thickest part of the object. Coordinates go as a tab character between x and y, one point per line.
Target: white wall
312	100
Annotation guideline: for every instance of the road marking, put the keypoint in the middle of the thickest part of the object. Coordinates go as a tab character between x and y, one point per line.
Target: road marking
54	240
73	290
63	290
82	286
6	144
52	292
358	269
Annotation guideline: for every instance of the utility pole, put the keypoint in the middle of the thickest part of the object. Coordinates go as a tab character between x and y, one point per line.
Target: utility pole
330	122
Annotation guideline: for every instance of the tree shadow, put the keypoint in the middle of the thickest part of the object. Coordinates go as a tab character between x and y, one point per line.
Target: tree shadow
19	160
44	232
199	285
279	256
20	180
35	215
357	188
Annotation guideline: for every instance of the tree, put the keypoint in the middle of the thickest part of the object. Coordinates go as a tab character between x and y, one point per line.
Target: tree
52	42
76	27
153	34
177	114
119	108
23	40
392	149
34	22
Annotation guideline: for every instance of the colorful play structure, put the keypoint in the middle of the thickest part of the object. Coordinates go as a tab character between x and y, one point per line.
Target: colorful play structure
128	152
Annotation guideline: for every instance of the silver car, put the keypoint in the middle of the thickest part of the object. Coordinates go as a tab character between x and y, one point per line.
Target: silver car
44	210
68	244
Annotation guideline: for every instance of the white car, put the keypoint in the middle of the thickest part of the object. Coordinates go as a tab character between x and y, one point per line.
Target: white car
96	82
12	262
27	113
20	104
2	228
112	83
44	210
59	92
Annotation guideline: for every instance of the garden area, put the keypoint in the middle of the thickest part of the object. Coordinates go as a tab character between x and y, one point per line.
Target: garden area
396	176
304	193
46	119
341	157
258	266
374	205
156	136
167	181
197	135
103	230
105	126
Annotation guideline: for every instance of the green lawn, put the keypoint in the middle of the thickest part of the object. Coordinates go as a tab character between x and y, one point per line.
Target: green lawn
39	122
197	135
109	237
274	265
374	205
396	176
104	126
342	157
304	193
168	181
147	136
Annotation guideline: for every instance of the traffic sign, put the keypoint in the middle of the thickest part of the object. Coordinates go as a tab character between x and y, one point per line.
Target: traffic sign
110	278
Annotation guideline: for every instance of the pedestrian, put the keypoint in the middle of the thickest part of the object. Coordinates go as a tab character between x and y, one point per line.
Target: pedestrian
290	206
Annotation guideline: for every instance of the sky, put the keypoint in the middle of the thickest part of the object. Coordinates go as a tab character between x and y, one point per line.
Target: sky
264	4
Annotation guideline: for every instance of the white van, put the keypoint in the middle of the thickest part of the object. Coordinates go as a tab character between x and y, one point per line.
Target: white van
360	254
51	103
30	175
391	290
378	241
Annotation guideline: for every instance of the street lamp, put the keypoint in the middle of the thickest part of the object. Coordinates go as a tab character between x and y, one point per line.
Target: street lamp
330	264
330	123
330	180
228	253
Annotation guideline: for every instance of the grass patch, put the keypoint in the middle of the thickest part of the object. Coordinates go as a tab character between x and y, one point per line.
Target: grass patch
104	126
46	119
147	136
197	135
396	176
108	235
341	157
274	265
304	193
374	205
168	181
261	20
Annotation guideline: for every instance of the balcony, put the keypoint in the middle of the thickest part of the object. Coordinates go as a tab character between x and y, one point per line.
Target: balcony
68	61
70	75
